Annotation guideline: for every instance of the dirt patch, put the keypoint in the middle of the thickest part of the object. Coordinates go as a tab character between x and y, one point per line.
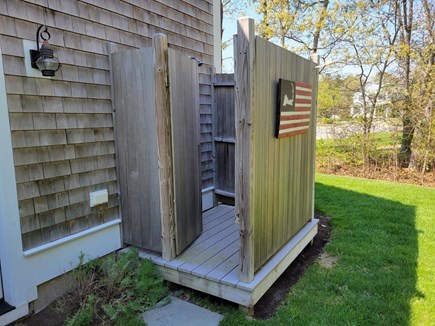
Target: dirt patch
50	316
266	307
326	261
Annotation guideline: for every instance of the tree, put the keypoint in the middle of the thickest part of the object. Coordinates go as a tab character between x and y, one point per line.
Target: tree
312	26
405	16
335	95
229	9
377	39
422	87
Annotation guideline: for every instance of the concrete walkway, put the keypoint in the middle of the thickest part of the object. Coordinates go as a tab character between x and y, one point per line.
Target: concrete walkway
180	313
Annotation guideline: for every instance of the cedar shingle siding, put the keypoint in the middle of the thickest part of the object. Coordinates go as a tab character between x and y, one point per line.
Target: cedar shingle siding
62	128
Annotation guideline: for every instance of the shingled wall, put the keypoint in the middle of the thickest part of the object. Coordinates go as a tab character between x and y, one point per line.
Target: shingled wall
62	128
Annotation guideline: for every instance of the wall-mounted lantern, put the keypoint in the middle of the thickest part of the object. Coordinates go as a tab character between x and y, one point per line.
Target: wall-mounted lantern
43	58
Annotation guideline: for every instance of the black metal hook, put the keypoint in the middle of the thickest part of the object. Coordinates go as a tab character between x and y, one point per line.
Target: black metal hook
40	34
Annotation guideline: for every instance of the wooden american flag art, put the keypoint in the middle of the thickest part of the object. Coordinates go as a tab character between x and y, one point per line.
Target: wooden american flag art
294	108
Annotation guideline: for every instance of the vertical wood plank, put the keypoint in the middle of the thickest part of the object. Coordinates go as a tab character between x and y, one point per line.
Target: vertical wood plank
315	82
282	172
164	146
244	62
136	141
184	106
224	126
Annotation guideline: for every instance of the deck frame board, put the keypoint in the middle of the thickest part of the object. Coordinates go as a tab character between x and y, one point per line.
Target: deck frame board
218	275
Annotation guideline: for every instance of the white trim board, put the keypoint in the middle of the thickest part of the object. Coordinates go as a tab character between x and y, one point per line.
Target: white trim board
207	198
70	238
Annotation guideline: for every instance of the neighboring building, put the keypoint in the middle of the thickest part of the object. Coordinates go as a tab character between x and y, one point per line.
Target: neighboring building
383	104
57	137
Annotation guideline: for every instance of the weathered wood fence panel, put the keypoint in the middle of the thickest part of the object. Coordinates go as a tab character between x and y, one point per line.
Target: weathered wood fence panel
156	96
184	93
136	141
274	195
225	134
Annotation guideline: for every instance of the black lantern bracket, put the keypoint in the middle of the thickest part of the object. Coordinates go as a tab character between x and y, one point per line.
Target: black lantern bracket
42	58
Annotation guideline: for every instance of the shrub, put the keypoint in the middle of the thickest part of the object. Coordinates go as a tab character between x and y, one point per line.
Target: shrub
115	290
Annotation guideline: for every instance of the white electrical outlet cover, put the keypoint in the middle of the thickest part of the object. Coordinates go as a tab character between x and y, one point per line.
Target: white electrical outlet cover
98	197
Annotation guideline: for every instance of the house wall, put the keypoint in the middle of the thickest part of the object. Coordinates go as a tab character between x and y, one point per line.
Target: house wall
60	129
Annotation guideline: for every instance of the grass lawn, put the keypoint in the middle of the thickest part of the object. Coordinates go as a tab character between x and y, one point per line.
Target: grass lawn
379	139
384	240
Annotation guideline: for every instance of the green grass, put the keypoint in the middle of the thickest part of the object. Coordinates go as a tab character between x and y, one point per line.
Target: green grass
379	139
384	239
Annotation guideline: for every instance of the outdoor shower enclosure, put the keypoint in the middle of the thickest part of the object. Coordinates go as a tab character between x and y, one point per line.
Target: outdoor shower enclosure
234	253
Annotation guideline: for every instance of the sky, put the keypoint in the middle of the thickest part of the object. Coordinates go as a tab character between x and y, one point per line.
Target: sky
230	28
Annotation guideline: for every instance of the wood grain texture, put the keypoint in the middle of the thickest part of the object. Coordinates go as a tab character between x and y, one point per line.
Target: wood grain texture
244	51
185	128
225	133
211	265
282	169
137	147
274	178
163	121
76	102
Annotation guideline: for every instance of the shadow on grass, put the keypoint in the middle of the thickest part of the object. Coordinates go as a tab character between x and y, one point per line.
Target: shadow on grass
374	253
374	280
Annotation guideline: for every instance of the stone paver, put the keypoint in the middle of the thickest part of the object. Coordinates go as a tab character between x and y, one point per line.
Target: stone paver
180	313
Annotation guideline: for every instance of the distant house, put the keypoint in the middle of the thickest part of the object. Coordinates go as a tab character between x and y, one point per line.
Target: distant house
57	135
383	104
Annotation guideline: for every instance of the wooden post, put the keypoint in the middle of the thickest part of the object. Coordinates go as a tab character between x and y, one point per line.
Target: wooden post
164	146
244	49
315	72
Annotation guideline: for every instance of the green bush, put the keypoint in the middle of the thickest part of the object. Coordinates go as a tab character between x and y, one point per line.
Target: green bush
115	290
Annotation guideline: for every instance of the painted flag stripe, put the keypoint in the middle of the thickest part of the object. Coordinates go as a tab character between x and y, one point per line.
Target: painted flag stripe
303	89
294	117
289	121
302	92
293	125
304	105
289	113
304	85
292	133
293	122
282	131
301	100
302	109
303	97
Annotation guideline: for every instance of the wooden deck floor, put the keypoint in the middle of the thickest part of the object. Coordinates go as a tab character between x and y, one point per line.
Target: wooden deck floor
211	263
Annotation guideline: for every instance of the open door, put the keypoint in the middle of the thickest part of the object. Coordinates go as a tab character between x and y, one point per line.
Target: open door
184	104
135	102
